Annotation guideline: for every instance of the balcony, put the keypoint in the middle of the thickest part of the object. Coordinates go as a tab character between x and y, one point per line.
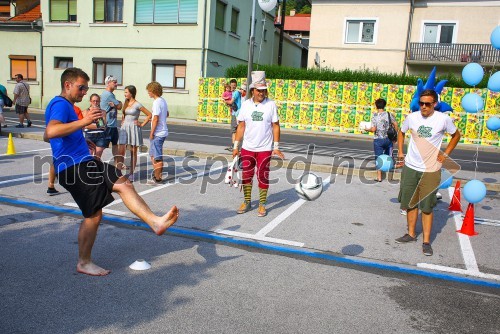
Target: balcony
452	54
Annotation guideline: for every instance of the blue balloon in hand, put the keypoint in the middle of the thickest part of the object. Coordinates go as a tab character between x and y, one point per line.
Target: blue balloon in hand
495	38
446	179
472	103
384	163
474	191
472	74
494	82
493	124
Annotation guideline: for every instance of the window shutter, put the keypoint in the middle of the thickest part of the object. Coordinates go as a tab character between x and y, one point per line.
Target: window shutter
180	71
59	10
99	10
188	11
166	11
144	11
72	7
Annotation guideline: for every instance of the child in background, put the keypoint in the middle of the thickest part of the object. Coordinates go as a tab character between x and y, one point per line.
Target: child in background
227	95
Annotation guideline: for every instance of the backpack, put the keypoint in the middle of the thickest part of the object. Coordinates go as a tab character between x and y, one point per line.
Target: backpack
392	134
6	100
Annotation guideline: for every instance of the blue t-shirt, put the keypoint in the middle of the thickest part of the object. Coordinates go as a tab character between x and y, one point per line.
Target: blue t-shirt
237	101
69	150
3	90
111	112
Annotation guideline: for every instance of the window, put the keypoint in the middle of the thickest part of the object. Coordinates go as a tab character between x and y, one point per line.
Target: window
166	11
235	13
25	65
4	8
170	73
360	31
108	10
63	10
220	13
63	62
439	32
107	66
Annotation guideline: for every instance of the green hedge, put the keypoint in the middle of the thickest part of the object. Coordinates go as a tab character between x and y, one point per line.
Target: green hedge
283	72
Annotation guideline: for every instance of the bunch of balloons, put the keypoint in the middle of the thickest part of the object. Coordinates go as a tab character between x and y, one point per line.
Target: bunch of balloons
493	123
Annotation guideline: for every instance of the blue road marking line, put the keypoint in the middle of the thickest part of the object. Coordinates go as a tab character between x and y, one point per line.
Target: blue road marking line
274	248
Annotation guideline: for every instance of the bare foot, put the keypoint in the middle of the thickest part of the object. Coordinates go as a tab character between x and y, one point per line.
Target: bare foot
166	221
91	269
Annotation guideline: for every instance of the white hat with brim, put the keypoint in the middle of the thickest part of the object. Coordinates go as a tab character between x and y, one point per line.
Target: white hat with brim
259	80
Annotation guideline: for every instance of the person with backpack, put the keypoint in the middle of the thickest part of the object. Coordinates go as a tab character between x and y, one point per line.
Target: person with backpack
22	100
385	132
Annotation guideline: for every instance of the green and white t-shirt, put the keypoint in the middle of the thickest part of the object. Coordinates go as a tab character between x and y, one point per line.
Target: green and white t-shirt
426	138
259	119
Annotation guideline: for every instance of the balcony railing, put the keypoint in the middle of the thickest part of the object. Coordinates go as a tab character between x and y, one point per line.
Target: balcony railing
453	53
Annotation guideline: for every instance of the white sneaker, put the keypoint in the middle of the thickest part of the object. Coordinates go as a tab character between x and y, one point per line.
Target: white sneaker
439	196
402	212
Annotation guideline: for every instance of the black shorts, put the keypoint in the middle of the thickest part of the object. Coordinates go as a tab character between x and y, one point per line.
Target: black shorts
111	136
90	183
21	109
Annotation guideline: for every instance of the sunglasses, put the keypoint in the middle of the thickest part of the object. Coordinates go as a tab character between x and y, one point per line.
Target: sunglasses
427	104
82	88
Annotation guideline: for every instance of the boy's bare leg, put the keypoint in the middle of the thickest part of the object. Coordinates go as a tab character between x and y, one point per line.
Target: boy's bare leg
411	219
138	207
52	176
86	238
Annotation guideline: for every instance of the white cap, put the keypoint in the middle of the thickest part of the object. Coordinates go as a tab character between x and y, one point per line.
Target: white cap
259	80
109	78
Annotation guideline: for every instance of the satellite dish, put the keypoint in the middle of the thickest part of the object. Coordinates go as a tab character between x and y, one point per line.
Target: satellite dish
317	60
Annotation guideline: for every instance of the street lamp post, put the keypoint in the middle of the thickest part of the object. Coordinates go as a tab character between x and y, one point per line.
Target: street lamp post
250	48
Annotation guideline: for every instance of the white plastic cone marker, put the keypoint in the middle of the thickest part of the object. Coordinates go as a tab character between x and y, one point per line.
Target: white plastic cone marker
140	265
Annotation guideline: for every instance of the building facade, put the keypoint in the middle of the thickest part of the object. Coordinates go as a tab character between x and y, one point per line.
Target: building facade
397	36
138	41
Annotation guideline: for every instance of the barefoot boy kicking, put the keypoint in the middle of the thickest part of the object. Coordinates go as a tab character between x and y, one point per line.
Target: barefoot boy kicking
87	179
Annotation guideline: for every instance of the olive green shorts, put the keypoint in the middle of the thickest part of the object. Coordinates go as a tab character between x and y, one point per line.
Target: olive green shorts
418	189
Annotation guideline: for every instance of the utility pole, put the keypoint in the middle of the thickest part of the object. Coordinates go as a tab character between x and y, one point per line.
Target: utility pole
250	48
282	27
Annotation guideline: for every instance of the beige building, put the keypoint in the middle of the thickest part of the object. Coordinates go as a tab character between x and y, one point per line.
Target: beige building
138	41
398	36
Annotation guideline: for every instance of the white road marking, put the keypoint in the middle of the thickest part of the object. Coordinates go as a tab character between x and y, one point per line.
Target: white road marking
113	212
459	271
260	238
465	245
22	152
285	214
156	188
23	178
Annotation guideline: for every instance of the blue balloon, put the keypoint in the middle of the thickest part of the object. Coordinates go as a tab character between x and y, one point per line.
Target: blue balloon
472	74
474	191
494	82
446	179
493	124
384	163
495	38
472	103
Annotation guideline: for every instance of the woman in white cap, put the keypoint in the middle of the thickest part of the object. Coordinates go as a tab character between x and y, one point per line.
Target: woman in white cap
258	126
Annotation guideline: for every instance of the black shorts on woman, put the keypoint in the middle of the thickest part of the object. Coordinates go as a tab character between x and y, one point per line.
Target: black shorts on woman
91	184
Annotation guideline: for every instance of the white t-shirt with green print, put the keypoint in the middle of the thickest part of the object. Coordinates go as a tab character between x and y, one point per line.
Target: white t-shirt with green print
426	138
259	119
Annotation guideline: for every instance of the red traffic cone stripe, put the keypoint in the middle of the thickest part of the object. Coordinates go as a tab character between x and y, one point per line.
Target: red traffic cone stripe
468	224
455	200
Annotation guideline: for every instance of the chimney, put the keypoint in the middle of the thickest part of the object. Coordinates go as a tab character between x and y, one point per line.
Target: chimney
292	12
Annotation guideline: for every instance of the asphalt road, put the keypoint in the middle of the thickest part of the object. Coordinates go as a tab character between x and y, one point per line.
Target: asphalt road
348	277
327	145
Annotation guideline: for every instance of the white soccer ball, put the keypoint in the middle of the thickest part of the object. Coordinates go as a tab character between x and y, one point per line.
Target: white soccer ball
309	187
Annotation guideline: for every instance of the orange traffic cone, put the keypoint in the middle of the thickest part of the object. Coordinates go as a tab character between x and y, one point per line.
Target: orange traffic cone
455	200
468	224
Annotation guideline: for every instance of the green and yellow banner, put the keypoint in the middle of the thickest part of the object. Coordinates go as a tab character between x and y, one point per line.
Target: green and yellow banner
330	106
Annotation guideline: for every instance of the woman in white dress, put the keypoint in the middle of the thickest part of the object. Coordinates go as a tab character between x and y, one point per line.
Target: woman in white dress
131	134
